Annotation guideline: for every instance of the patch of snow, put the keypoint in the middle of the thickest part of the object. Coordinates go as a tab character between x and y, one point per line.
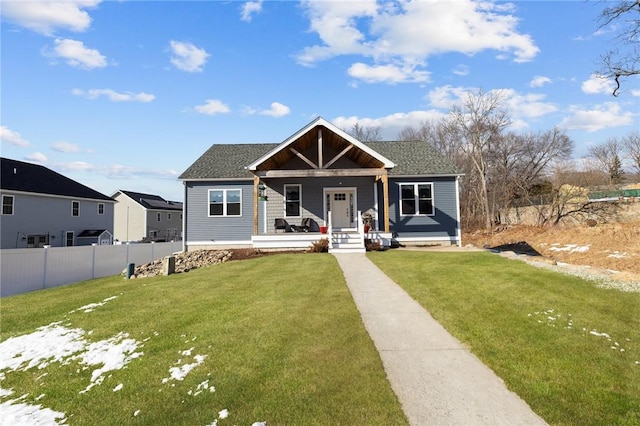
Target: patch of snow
135	413
571	248
223	414
617	255
48	344
119	387
19	413
91	306
113	354
180	372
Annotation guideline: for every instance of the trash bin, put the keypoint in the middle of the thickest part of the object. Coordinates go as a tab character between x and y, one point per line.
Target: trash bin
131	267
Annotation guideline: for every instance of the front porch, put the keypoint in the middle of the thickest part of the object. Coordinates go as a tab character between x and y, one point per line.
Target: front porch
339	241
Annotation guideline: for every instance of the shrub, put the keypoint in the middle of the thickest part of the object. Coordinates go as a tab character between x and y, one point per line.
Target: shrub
320	246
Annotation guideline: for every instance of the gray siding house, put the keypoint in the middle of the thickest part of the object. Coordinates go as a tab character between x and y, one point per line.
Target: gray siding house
321	183
41	207
146	217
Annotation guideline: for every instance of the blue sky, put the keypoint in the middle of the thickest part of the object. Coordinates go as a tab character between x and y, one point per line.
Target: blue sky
128	94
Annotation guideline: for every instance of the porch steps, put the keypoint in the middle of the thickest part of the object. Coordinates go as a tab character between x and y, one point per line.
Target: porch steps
346	242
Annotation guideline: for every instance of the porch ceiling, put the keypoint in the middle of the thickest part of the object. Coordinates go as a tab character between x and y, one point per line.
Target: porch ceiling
309	141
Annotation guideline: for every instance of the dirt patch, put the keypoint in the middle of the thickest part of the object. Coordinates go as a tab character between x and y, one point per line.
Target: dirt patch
614	247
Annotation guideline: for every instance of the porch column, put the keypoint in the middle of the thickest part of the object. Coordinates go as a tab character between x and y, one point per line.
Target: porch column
385	201
256	182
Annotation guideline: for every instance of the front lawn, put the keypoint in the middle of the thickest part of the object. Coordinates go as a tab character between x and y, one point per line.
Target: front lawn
569	349
275	339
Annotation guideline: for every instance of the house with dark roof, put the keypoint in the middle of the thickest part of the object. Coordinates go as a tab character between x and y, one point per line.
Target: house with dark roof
146	217
321	182
41	207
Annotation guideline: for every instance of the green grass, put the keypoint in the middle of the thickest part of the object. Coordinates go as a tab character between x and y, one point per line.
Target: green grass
532	327
283	341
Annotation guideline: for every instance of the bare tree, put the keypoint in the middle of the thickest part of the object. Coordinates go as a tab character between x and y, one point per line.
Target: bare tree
521	162
631	145
479	123
607	157
364	133
569	198
623	61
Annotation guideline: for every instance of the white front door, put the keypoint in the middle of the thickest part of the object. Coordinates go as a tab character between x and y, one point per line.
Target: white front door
340	203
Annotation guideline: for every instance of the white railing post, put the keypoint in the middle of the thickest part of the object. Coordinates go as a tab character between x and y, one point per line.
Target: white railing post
329	229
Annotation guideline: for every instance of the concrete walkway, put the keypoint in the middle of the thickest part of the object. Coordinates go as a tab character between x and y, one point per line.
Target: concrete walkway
436	379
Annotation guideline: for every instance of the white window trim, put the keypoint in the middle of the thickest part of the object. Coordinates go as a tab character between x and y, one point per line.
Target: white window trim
415	198
158	217
100	204
13	205
72	203
224	202
66	239
284	200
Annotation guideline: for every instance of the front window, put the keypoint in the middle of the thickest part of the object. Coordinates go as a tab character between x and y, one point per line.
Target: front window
416	199
168	216
225	202
75	208
158	217
292	200
7	204
100	208
68	237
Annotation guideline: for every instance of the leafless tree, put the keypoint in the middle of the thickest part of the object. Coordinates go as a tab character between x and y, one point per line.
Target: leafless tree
365	133
478	123
607	158
520	163
631	146
624	60
570	201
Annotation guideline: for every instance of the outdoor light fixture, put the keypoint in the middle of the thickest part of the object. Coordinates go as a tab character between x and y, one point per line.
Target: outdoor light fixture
262	196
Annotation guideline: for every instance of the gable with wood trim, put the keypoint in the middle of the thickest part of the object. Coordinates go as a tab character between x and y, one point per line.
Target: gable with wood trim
406	191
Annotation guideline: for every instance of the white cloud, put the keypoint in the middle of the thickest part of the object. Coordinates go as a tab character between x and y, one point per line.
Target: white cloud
36	157
187	57
392	124
606	115
65	147
529	105
249	9
76	54
539	81
77	166
387	73
445	97
212	107
114	96
461	70
46	16
521	107
12	137
277	110
409	32
598	85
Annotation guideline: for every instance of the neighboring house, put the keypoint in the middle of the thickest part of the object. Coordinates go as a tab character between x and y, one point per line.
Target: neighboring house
41	207
235	193
146	217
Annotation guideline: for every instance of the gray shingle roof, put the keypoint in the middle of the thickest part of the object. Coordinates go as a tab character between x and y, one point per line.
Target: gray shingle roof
226	161
28	177
414	158
150	201
229	161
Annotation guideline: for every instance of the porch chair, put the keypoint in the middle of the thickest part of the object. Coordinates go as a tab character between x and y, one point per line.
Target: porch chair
282	224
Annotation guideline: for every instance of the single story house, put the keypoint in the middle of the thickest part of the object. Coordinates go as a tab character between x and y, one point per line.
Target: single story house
41	207
146	217
261	195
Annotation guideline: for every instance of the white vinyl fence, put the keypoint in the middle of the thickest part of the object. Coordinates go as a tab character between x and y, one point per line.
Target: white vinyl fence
24	270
